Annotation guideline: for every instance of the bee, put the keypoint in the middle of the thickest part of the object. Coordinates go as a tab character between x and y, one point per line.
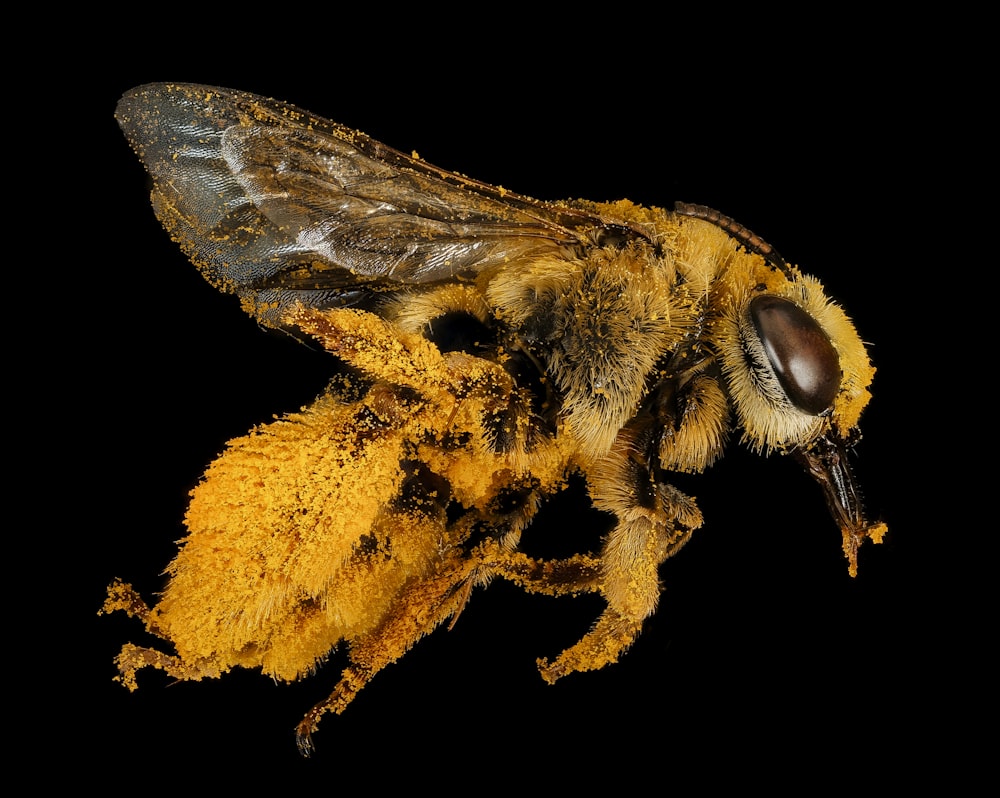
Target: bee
489	347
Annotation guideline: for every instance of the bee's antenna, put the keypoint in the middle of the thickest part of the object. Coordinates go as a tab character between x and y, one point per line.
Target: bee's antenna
744	235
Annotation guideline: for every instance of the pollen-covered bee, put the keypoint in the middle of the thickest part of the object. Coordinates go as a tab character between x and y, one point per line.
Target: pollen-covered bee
490	346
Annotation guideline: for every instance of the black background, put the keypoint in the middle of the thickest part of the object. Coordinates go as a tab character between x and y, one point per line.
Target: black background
766	663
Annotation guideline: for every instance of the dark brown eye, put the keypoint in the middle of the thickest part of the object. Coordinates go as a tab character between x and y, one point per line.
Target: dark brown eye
804	360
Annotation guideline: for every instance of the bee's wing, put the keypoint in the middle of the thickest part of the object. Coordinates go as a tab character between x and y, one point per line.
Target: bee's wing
283	207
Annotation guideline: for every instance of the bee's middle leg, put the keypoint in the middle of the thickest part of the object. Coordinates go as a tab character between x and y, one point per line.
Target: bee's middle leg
417	611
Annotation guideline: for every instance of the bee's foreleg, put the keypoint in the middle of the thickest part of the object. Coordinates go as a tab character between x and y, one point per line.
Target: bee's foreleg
654	521
629	582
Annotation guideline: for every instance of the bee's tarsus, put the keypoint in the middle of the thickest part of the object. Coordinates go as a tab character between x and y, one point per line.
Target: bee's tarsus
303	738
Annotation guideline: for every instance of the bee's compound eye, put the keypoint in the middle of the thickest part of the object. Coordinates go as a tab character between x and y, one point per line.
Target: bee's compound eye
804	360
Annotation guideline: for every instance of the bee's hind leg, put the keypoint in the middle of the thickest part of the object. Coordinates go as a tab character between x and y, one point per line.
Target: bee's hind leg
132	658
123	597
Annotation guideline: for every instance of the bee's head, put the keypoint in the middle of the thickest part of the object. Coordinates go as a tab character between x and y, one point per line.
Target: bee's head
798	377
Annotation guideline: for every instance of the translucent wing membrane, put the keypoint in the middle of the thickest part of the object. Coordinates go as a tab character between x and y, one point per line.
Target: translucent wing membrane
281	207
